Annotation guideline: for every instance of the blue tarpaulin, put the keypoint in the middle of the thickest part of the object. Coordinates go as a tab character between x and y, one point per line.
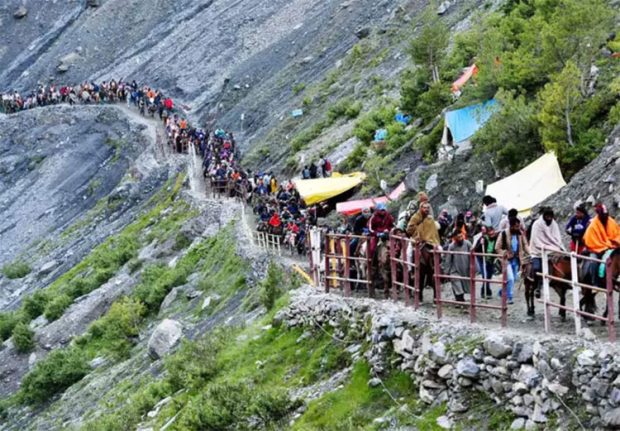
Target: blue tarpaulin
381	134
464	122
402	118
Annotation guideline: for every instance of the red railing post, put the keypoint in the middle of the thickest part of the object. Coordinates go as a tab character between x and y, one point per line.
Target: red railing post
347	266
437	262
472	286
326	263
611	329
416	276
393	278
504	290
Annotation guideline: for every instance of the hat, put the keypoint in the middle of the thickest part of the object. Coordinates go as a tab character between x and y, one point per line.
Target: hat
380	206
600	208
468	214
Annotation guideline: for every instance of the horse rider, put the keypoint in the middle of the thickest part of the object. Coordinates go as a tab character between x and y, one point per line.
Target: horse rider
359	224
601	237
576	228
423	228
545	234
380	222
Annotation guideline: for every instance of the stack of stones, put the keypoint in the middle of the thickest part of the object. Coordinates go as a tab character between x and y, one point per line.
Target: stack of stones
535	378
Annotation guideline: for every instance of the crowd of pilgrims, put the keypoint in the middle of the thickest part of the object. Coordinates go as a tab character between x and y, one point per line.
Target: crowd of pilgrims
281	211
147	99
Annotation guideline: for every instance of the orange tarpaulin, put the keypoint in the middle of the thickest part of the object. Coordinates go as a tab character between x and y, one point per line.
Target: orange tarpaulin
466	76
355	207
598	238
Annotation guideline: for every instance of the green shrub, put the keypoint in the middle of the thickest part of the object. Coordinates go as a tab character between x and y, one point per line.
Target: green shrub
17	269
7	323
194	363
270	289
59	370
35	304
300	141
429	144
119	326
298	88
229	405
23	338
57	306
181	241
344	108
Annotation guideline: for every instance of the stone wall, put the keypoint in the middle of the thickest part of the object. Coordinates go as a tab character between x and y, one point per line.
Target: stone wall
539	379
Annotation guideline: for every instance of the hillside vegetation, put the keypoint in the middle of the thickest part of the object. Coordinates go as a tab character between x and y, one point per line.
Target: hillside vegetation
548	63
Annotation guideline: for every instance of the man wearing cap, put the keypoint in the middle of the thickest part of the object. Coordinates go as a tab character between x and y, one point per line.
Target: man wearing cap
422	227
380	222
602	237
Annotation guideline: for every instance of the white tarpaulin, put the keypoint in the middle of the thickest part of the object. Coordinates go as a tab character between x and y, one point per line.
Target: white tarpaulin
530	186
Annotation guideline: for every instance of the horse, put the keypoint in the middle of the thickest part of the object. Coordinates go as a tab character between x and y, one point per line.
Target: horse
594	280
383	264
559	267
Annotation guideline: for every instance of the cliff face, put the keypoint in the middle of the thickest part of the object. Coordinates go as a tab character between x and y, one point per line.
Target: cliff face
216	57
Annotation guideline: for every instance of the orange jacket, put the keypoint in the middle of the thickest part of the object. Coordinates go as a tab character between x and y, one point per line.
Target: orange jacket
599	238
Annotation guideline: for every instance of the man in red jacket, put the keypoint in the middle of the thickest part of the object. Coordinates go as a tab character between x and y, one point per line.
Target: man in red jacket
380	222
168	104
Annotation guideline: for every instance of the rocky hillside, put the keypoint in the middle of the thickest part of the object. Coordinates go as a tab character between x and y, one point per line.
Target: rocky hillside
130	300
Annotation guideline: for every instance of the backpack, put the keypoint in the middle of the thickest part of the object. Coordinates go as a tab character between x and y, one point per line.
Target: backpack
328	166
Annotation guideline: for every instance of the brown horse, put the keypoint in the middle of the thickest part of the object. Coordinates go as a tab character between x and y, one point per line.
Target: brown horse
559	266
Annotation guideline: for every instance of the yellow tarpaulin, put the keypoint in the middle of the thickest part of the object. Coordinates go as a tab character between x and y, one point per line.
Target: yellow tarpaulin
530	186
321	189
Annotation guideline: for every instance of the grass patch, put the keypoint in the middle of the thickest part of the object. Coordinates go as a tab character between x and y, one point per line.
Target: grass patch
356	405
106	259
15	270
117	145
23	338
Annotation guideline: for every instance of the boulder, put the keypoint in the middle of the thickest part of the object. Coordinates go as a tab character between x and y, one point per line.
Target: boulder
445	371
164	338
362	32
444	422
529	376
438	353
48	267
586	358
466	367
168	300
432	182
523	353
20	13
496	347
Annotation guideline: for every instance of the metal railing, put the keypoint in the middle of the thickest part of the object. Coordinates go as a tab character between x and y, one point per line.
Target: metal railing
577	291
472	304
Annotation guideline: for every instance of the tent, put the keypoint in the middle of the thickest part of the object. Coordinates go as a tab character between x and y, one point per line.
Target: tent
355	207
321	189
468	72
463	123
530	186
